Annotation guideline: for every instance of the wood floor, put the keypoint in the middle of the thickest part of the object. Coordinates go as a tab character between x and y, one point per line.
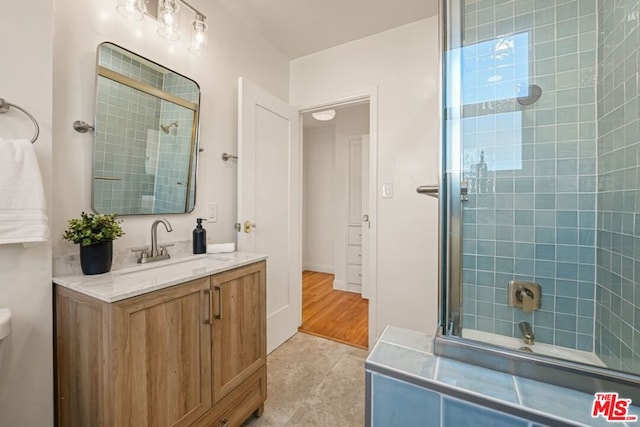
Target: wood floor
337	315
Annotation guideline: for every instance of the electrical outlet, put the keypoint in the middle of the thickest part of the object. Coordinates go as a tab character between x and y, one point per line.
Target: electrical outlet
212	212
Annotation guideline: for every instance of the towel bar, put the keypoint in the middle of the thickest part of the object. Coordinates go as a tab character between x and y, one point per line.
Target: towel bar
226	156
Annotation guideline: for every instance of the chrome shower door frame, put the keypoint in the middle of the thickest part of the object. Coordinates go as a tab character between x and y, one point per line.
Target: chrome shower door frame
450	200
449	342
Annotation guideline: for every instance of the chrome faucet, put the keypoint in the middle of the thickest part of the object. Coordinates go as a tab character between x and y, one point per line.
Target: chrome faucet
154	235
527	333
155	253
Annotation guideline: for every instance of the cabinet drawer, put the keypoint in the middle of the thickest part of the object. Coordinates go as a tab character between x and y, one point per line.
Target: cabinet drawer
354	255
240	404
354	274
355	235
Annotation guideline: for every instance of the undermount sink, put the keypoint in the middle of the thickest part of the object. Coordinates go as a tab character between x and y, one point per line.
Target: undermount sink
174	264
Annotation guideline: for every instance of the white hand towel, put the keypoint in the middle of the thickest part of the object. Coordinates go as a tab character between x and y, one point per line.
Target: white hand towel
23	210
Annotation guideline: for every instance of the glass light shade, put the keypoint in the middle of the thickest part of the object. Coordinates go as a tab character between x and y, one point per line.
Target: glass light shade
132	9
324	116
169	20
198	36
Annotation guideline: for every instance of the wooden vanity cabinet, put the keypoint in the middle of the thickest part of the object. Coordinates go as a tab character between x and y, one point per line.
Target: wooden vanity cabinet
239	341
190	354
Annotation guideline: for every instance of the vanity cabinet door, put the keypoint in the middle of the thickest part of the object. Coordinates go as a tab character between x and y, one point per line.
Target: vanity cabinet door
162	356
239	326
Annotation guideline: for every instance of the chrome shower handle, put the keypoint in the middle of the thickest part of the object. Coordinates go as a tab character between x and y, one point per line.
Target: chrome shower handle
429	190
434	190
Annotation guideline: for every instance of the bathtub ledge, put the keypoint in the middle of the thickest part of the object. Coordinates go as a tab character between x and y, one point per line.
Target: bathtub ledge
408	356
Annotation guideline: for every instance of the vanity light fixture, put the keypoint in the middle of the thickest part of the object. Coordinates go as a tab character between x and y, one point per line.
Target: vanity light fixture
198	36
169	20
324	116
132	9
167	13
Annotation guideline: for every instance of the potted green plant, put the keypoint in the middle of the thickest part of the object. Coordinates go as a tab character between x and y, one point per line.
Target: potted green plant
95	234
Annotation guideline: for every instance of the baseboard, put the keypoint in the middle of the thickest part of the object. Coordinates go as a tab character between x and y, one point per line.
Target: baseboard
355	288
339	285
320	268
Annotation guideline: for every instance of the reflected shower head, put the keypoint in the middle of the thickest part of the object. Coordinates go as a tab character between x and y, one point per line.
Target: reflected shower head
167	128
535	92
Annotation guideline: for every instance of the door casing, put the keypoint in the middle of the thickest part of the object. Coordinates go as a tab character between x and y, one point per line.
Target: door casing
370	95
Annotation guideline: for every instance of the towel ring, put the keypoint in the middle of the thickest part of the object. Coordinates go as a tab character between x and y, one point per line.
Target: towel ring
5	106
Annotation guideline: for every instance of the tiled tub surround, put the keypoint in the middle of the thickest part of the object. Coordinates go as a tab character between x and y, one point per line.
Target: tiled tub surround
535	221
124	163
408	385
617	330
175	149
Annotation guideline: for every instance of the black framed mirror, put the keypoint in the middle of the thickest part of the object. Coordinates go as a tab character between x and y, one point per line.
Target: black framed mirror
146	136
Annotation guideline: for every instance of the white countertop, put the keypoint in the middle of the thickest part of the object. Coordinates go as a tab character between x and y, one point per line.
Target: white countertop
143	278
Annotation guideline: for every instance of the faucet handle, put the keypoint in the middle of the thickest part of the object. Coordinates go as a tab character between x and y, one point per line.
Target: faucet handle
143	254
163	248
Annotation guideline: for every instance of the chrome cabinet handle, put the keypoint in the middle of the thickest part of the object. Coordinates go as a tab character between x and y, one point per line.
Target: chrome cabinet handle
218	289
207	292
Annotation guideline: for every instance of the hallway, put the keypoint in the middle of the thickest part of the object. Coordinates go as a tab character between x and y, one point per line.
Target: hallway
336	315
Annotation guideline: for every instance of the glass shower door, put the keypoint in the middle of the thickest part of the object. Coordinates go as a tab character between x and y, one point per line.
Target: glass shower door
521	133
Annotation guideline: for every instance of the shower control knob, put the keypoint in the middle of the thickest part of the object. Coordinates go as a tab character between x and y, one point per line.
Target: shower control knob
464	190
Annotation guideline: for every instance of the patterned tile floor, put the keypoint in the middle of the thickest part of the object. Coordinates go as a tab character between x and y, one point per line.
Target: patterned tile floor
314	382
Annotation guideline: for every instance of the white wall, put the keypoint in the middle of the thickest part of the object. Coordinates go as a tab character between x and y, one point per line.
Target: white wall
26	356
403	64
233	51
36	63
318	193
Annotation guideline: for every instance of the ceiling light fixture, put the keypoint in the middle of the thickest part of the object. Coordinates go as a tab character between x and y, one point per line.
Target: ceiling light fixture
167	13
324	116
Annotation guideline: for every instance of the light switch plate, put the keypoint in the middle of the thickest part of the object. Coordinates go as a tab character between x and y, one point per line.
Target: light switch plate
212	212
387	191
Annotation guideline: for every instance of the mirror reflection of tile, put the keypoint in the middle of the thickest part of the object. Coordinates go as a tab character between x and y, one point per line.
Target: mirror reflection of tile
144	159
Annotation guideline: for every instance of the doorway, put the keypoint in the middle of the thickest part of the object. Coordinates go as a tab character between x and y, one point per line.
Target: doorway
335	223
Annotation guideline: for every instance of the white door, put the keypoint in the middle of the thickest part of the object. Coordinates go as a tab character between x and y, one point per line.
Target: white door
269	202
366	220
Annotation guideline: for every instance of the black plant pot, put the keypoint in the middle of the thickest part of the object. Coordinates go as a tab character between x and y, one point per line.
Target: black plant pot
96	258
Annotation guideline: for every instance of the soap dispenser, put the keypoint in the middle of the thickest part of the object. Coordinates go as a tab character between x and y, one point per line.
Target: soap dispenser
199	238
